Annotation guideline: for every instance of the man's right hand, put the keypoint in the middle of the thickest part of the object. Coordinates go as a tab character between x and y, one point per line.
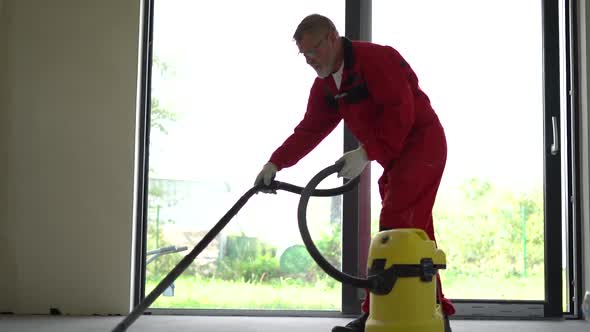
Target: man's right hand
266	175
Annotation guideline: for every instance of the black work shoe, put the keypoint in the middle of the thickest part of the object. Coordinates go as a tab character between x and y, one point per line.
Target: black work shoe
447	324
357	325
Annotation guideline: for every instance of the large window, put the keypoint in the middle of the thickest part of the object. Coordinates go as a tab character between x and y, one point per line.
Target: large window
481	64
228	88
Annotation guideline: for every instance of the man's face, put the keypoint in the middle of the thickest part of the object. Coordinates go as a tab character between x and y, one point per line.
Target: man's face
318	50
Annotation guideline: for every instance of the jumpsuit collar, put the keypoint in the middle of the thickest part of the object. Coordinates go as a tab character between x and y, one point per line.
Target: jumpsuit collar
330	88
348	53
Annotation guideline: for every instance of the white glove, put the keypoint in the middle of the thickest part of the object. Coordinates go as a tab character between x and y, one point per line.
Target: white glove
266	175
355	162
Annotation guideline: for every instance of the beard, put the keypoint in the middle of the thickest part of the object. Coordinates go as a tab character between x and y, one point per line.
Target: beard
324	71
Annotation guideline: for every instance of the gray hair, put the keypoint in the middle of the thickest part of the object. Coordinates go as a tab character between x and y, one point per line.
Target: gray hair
315	24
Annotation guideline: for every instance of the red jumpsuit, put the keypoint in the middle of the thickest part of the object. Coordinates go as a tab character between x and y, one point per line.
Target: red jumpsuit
382	104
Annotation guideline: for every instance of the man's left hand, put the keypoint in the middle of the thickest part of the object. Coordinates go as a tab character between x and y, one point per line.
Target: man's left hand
355	162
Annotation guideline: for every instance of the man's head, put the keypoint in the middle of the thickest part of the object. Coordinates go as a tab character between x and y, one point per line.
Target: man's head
319	41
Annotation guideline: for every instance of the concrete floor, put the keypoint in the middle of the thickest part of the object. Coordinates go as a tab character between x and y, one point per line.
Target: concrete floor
11	323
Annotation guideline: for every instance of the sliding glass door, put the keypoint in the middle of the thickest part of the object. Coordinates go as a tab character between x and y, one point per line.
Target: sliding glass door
491	71
228	87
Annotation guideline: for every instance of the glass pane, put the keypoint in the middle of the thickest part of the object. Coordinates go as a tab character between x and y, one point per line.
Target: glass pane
228	88
480	62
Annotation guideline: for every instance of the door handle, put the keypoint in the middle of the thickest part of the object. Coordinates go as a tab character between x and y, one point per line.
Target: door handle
555	144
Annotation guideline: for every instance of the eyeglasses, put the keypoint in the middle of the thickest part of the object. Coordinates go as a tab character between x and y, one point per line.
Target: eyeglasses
312	52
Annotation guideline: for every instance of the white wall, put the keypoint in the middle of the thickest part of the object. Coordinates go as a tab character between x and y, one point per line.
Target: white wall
68	115
584	128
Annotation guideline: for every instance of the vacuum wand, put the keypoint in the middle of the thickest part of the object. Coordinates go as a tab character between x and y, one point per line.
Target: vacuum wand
184	263
190	257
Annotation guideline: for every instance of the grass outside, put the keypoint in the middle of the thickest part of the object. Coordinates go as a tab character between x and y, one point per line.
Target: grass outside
197	293
524	288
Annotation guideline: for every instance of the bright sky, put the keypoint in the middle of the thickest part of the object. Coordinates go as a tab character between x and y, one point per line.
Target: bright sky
240	88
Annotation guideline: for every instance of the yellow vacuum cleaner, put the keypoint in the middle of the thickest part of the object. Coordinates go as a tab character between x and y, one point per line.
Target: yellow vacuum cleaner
411	303
402	268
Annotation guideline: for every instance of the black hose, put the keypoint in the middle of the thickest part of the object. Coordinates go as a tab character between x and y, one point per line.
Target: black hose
333	272
190	257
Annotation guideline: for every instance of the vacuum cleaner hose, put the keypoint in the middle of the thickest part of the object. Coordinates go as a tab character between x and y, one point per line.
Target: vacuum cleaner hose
307	192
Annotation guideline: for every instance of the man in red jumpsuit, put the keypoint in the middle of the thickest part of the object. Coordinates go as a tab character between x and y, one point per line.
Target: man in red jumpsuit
375	91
